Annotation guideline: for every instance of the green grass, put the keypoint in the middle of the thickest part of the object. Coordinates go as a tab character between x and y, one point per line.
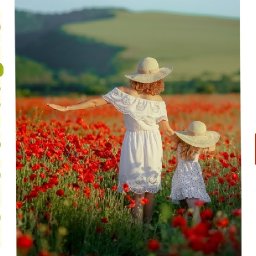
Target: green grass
192	45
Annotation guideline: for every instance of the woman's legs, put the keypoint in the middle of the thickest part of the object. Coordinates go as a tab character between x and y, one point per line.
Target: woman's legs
143	213
137	211
148	208
196	210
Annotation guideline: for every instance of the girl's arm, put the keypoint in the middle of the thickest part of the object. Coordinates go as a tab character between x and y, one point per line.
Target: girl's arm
164	126
83	105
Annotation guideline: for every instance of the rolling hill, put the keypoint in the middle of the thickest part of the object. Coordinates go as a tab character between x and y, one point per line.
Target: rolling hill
192	45
89	51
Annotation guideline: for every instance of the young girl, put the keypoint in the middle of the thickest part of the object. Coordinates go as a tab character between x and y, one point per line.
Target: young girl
187	182
144	111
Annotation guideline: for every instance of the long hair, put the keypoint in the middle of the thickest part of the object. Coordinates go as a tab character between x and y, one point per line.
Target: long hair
188	152
154	88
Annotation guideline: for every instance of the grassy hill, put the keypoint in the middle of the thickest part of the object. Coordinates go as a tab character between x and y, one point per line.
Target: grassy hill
192	45
89	51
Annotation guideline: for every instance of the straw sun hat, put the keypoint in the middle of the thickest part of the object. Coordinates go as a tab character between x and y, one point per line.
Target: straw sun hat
197	135
148	71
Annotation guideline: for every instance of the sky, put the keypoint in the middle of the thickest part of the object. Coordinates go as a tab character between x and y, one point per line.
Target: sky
224	8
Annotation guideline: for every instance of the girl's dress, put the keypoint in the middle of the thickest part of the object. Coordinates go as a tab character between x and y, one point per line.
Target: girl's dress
187	180
141	153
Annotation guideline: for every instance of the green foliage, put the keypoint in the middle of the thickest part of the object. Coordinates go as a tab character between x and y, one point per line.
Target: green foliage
27	22
226	84
30	72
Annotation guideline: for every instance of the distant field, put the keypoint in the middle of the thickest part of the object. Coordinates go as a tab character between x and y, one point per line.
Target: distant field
192	45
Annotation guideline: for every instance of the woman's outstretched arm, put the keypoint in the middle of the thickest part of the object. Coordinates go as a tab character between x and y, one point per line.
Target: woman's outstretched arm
83	105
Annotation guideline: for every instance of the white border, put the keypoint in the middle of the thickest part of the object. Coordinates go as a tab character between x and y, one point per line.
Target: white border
248	125
7	132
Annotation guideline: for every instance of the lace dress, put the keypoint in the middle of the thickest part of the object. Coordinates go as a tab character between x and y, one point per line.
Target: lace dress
187	180
141	153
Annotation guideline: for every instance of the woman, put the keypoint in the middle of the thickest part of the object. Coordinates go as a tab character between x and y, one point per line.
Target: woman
144	111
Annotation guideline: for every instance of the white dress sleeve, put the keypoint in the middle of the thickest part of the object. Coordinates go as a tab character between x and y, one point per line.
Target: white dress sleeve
163	114
121	101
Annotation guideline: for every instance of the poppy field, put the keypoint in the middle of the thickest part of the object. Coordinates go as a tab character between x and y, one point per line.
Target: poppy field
66	182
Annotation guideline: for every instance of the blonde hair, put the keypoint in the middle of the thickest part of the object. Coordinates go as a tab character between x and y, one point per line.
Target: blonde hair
154	88
188	152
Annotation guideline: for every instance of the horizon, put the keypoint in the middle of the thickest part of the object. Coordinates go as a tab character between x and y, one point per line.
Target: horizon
129	10
225	9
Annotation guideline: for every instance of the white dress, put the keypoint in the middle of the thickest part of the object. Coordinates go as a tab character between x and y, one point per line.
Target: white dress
141	154
187	180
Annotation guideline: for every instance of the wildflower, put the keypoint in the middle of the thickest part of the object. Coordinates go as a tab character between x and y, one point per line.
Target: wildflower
181	211
206	214
114	188
222	222
19	165
19	204
199	203
132	204
232	154
153	245
60	192
24	241
173	160
87	192
237	212
42	175
144	201
104	220
44	253
179	221
126	187
221	180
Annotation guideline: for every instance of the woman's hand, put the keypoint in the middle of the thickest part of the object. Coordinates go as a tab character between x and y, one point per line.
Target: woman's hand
58	107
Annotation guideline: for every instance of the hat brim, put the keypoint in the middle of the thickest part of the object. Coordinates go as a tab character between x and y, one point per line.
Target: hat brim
210	138
149	78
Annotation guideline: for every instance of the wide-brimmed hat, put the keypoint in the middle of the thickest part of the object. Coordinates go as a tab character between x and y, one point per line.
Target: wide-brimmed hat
197	135
148	71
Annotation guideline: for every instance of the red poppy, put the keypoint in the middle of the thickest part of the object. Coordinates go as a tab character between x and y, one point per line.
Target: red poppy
19	165
19	204
199	203
60	192
173	160
144	201
126	188
206	214
232	154
237	212
132	204
153	245
180	211
179	221
114	188
24	241
104	220
87	192
222	222
44	253
42	175
221	180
